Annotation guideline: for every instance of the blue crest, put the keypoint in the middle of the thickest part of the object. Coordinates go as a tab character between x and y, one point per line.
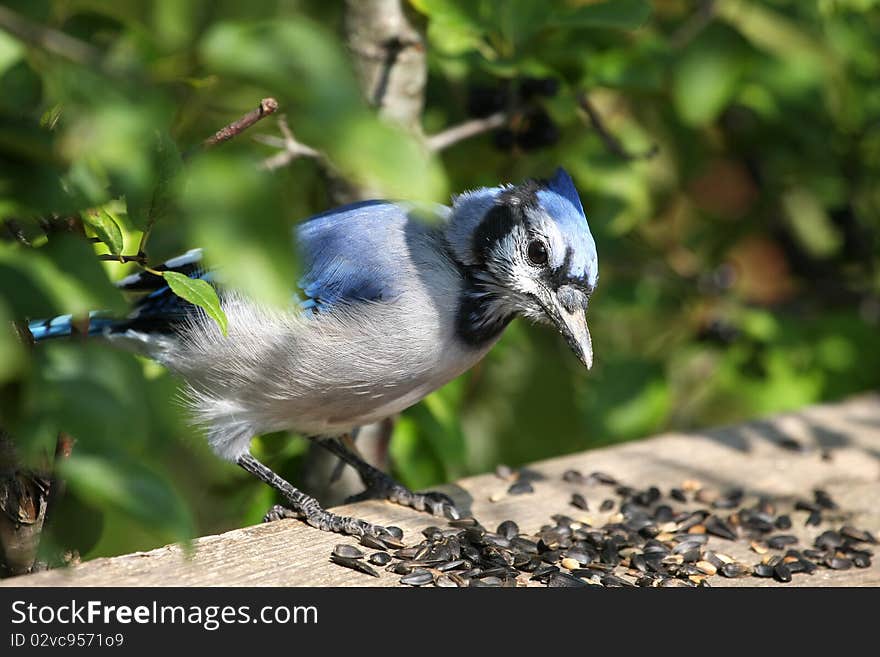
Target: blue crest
562	184
561	201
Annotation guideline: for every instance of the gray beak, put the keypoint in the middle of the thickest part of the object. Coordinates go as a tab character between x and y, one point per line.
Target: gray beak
571	320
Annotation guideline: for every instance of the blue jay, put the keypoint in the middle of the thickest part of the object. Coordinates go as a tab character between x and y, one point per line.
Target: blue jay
394	307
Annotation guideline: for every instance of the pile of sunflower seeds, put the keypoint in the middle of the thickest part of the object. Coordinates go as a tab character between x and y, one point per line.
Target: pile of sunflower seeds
649	539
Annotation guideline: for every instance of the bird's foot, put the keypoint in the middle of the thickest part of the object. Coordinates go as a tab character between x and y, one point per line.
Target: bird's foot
306	507
382	486
328	521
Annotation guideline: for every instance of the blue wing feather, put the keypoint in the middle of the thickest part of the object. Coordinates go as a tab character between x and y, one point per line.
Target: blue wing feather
346	254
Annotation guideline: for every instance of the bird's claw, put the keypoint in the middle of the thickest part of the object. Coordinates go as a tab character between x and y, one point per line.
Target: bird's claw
437	504
329	522
278	512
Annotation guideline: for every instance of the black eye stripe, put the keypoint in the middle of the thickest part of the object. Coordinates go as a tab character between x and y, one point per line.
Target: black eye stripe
496	225
559	276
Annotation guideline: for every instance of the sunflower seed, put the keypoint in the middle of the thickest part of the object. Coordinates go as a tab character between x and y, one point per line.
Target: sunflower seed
838	563
508	529
678	495
828	540
763	570
348	551
520	488
372	542
823	499
601	478
718	527
418	577
780	541
380	558
354	564
858	535
734	569
861	560
464	523
579	501
783	522
445	581
782	572
564	580
573	477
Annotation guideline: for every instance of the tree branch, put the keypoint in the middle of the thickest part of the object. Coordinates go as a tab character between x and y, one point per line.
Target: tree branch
267	106
688	30
291	147
450	136
139	258
611	142
389	55
52	41
63	449
23	495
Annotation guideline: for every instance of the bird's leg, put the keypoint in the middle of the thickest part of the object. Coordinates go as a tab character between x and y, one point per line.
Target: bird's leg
383	486
348	439
306	507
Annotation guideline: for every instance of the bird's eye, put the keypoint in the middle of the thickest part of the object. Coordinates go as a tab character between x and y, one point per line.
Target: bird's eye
537	253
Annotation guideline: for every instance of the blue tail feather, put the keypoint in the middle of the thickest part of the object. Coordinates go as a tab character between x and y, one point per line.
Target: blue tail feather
158	310
62	326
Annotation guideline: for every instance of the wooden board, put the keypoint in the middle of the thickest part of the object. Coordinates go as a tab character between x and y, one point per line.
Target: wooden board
840	452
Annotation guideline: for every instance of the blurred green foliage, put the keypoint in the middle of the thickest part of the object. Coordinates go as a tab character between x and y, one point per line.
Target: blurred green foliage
739	266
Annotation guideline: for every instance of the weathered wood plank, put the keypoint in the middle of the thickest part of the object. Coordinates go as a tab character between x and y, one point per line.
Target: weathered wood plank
749	456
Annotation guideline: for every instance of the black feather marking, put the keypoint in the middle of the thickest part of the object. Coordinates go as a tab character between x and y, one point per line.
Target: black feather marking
475	322
559	276
496	225
509	211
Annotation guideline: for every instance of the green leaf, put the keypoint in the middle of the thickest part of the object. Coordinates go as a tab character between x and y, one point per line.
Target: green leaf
708	75
811	224
455	26
11	51
59	278
614	14
130	488
106	228
199	293
233	211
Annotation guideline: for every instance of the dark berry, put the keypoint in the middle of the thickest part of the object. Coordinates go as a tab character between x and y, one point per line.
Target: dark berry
531	87
504	139
484	100
538	131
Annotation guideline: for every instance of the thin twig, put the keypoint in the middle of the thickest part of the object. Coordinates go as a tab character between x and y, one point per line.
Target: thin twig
466	130
139	258
53	41
291	147
611	142
15	231
699	21
63	449
267	106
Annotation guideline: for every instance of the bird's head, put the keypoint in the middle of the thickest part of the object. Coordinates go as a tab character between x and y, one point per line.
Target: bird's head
530	251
